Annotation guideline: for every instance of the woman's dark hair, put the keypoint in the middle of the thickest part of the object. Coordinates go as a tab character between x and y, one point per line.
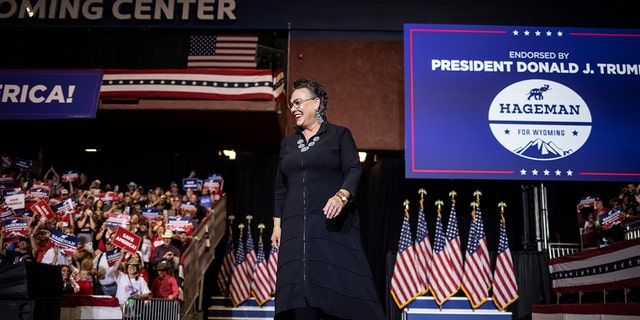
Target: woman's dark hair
317	90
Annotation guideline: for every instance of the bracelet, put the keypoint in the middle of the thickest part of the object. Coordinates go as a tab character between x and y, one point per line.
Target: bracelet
342	197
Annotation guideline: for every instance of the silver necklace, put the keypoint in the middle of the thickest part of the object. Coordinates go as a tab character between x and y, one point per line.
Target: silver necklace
304	147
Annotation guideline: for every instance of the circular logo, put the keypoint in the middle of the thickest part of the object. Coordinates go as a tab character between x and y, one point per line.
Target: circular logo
540	119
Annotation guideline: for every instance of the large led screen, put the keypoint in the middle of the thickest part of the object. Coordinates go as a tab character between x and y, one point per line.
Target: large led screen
522	103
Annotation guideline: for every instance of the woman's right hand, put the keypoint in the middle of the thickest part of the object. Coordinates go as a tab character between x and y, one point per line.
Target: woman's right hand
275	237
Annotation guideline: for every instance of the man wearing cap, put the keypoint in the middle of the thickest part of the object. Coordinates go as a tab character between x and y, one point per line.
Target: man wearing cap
166	251
20	252
165	285
129	283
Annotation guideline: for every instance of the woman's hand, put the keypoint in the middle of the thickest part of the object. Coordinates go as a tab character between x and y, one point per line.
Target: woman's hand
333	207
275	235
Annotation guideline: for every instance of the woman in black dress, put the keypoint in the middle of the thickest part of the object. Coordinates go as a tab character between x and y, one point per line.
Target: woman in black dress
323	272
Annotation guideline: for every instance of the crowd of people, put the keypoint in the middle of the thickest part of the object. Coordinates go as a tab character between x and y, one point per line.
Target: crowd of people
96	265
602	223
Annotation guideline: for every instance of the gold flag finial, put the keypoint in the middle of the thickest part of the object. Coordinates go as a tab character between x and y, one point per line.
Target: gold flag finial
477	194
422	192
453	194
439	204
249	218
502	205
261	226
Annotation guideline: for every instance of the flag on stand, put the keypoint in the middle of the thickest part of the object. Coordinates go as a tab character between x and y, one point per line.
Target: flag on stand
273	268
423	252
505	288
239	289
404	281
452	248
226	269
222	51
260	284
250	259
476	279
442	274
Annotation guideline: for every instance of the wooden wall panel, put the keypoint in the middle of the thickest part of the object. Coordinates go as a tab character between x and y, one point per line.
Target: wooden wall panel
364	81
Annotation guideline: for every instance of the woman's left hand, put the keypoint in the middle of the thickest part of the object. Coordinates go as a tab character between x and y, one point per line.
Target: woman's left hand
333	207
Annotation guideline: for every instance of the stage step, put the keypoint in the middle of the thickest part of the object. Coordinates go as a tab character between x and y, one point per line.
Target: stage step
222	309
455	308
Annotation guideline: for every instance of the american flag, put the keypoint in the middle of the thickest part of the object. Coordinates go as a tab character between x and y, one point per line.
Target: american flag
404	282
273	268
250	259
226	269
442	276
505	288
240	288
476	279
222	51
452	248
423	252
260	284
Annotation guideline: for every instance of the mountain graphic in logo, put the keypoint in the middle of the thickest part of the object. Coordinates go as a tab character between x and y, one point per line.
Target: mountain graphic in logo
539	149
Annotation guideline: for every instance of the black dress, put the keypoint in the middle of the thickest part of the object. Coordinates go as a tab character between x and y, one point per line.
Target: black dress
321	263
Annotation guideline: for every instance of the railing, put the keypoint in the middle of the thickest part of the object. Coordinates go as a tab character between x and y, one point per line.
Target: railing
632	230
559	249
151	309
198	257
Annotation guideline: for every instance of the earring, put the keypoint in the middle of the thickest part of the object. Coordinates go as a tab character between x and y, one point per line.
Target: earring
319	116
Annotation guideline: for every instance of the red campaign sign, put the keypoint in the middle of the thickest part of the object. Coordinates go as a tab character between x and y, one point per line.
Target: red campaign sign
41	207
127	240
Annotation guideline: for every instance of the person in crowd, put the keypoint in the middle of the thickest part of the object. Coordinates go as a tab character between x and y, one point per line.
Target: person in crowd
166	252
165	285
182	242
105	273
53	179
21	252
87	225
85	282
316	225
129	283
69	285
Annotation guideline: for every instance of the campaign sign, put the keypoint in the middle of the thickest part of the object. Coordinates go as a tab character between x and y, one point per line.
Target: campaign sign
14	198
37	193
191	183
152	214
49	94
68	243
41	207
177	224
611	218
5	161
6	212
68	176
127	240
63	208
6	178
15	228
187	207
521	102
205	201
115	220
113	256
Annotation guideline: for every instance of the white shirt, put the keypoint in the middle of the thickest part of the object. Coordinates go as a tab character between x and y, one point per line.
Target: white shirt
128	286
63	259
109	272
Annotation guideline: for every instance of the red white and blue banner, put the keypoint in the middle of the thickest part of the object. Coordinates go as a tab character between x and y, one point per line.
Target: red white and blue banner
613	267
49	94
521	102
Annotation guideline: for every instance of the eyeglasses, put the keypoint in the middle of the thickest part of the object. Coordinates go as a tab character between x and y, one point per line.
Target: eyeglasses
296	103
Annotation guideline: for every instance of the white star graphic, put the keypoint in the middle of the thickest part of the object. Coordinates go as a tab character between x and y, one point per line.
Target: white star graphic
537	33
549	33
526	32
515	32
546	172
523	172
534	172
559	33
558	173
569	173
